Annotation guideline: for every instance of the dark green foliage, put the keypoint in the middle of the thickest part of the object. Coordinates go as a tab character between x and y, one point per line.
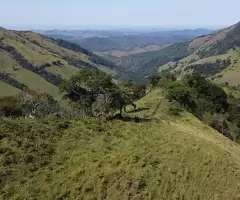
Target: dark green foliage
146	63
175	108
79	63
134	90
180	93
154	79
223	127
201	97
138	91
10	106
93	92
161	79
94	58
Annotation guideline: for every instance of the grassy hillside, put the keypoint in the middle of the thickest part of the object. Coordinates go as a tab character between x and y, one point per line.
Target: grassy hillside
164	158
7	90
140	65
31	60
216	55
135	50
188	56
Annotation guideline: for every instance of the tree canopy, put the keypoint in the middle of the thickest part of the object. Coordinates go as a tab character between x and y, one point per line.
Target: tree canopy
94	93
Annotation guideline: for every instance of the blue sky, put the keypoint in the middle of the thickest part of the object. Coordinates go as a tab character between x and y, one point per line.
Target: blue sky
50	14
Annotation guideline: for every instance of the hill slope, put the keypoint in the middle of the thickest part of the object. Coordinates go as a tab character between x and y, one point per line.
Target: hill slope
31	60
222	44
165	158
215	55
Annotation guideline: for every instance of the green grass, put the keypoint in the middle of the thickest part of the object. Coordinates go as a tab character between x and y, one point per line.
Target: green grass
35	82
33	53
165	158
7	90
64	71
117	160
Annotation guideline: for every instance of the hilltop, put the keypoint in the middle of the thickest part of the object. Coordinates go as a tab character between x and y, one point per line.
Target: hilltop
31	60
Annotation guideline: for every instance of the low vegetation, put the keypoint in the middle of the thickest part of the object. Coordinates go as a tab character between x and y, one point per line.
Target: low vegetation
207	101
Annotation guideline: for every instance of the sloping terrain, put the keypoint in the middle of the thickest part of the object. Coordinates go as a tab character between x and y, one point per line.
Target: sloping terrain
164	158
125	40
31	60
208	50
139	66
216	55
136	50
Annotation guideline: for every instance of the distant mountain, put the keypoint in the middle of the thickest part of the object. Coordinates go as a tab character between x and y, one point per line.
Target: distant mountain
31	60
100	41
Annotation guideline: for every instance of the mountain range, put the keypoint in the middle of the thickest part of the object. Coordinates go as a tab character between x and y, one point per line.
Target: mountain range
215	54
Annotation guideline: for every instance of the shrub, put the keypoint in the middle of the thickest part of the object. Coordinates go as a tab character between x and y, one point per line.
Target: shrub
10	106
175	109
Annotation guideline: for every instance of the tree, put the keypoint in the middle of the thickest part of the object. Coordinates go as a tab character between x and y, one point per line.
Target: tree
161	79
180	93
94	93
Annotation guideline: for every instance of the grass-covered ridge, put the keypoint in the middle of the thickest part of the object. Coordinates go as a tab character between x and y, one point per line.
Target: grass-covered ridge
162	158
88	159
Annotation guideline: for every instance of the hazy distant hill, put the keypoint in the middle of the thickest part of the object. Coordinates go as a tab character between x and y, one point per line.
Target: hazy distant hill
99	41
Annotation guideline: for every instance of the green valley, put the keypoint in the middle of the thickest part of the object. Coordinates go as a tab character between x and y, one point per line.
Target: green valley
160	124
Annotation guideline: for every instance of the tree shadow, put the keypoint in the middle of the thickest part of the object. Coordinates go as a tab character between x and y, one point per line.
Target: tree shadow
129	119
138	110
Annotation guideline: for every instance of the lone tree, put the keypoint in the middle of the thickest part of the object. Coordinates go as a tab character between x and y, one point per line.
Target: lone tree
94	93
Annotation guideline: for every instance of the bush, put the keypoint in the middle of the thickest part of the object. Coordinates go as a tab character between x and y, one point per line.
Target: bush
10	106
175	109
180	93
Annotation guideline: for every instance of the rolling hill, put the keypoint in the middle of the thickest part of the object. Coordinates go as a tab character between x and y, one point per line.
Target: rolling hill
134	41
31	60
162	158
216	55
